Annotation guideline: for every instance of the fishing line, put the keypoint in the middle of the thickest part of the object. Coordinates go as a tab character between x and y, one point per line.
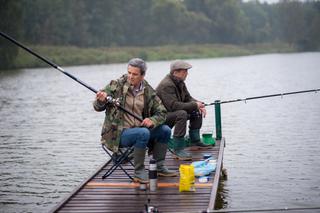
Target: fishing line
109	98
264	210
264	96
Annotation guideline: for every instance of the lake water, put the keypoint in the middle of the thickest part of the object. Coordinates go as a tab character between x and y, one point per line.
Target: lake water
49	135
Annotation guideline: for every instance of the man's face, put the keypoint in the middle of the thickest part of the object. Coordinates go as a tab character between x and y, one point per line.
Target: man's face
181	74
134	76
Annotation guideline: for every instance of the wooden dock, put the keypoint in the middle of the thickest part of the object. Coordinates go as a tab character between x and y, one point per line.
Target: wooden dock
118	194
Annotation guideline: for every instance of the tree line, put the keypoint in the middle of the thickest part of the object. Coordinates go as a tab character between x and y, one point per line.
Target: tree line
108	23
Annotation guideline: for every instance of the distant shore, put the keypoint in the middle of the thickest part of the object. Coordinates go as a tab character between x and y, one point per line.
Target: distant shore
71	56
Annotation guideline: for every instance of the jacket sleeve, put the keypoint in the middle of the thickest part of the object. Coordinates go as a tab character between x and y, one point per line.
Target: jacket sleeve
109	89
170	100
158	112
189	98
98	106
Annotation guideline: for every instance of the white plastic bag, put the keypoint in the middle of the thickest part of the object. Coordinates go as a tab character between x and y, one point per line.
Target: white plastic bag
204	167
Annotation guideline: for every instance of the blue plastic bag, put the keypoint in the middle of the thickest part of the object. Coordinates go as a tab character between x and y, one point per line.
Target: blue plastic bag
204	167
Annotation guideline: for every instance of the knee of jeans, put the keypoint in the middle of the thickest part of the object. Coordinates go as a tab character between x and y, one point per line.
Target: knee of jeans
143	137
165	133
182	115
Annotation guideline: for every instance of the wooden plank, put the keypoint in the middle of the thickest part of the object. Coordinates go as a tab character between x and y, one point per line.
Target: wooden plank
216	177
59	205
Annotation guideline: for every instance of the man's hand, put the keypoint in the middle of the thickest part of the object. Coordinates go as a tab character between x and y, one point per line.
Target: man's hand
101	96
200	105
203	112
202	108
147	123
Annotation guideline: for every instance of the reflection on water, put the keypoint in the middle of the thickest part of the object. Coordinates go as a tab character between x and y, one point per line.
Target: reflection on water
49	135
221	199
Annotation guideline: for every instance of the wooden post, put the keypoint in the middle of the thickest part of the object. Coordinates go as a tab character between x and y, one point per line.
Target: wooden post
218	119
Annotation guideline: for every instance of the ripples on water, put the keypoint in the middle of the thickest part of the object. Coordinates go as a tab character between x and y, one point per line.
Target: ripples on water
50	134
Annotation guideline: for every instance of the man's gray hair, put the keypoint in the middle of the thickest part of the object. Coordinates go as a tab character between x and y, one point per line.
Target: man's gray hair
138	62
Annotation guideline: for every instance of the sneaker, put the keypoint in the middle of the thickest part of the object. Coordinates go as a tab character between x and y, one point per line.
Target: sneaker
165	172
140	177
140	180
182	155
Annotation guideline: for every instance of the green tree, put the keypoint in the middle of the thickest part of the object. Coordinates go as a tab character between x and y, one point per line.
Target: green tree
47	22
79	24
167	20
134	26
97	23
228	22
311	40
292	22
259	25
173	23
314	42
10	15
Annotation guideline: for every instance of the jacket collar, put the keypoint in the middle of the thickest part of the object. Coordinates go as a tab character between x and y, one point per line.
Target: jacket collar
176	81
126	85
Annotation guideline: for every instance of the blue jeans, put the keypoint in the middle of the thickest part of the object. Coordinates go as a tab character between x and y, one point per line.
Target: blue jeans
140	136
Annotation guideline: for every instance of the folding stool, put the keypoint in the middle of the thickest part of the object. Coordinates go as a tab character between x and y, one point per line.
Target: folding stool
118	158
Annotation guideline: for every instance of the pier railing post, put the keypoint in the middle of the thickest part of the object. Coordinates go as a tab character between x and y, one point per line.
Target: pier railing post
217	110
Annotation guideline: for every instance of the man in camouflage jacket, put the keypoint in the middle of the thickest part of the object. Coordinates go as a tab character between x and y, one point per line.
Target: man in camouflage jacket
122	130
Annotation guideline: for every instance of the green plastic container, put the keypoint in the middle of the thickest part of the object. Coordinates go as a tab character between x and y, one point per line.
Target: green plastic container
208	139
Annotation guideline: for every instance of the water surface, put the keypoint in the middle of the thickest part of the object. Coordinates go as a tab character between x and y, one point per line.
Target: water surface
49	135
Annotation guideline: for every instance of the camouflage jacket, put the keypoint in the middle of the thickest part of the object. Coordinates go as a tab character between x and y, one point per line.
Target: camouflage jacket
113	122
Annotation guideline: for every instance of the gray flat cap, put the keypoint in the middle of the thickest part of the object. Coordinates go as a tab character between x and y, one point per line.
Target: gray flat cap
179	65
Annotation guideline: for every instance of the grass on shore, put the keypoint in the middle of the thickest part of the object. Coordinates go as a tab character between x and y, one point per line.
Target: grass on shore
70	55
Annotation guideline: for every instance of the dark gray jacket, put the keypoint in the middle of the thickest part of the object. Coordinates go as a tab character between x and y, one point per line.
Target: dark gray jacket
175	95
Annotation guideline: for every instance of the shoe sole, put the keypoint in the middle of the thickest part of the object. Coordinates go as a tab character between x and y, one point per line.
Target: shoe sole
180	158
167	175
177	157
196	145
199	147
138	180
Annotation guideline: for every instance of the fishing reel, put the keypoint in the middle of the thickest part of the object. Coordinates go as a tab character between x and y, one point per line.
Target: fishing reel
150	209
111	100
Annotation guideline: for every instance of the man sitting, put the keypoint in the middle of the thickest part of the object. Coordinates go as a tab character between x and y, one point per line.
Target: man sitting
181	107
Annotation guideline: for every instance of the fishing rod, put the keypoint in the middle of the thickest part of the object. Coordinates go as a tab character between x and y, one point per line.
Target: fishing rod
109	99
265	210
264	96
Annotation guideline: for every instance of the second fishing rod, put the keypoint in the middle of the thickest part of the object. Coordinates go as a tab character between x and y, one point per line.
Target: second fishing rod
109	99
263	96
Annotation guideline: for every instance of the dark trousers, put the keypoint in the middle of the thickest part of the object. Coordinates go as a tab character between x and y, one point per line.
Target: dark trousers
178	119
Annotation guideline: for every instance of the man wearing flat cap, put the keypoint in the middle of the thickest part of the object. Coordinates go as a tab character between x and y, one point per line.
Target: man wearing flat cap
181	107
